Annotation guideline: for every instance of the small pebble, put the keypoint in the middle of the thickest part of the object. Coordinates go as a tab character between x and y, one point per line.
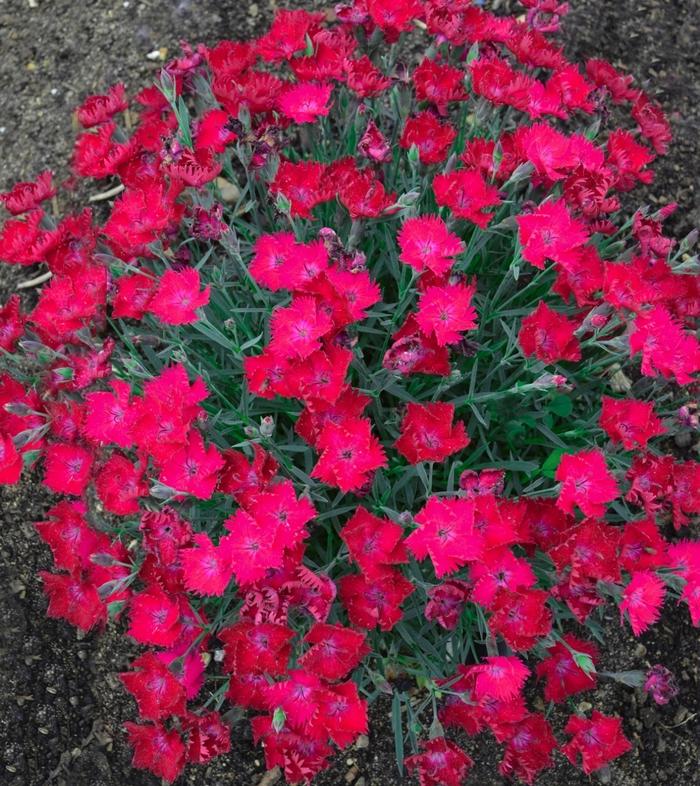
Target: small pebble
362	742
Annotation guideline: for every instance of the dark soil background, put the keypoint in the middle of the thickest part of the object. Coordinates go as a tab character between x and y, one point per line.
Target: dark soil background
61	706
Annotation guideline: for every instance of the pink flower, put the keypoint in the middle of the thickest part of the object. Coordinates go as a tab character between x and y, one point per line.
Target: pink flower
442	763
10	461
428	434
68	468
596	741
177	297
350	454
432	138
192	469
305	102
661	684
426	243
156	690
666	348
155	618
447	534
251	549
335	651
563	675
206	568
549	232
500	677
586	482
156	749
631	422
297	329
549	335
446	311
467	195
642	599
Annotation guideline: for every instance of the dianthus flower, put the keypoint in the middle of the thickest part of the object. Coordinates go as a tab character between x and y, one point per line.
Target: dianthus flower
350	454
521	617
207	736
120	484
73	599
499	677
68	468
132	295
11	464
666	348
586	482
302	184
23	197
442	763
256	648
109	416
374	543
446	602
279	262
563	675
596	741
605	75
529	748
652	122
154	687
549	232
155	618
305	102
631	422
213	131
335	651
554	154
287	34
373	144
364	78
394	16
467	195
549	335
447	534
193	468
413	352
99	109
627	160
251	548
428	434
432	138
427	243
177	297
207	569
445	311
439	84
375	601
660	684
297	329
642	599
156	749
499	569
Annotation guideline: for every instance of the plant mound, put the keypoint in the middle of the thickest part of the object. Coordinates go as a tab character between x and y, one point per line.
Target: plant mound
354	372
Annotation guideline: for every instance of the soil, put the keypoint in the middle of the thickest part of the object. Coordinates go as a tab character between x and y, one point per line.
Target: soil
61	705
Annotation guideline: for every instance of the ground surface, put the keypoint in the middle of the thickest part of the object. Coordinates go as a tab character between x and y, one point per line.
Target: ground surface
61	706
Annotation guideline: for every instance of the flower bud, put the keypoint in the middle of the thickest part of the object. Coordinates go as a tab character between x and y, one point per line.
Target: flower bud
267	426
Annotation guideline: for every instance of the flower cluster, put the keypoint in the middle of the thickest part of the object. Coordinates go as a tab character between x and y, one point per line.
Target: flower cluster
361	374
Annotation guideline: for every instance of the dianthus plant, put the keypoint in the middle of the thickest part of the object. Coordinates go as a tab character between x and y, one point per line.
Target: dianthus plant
357	382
